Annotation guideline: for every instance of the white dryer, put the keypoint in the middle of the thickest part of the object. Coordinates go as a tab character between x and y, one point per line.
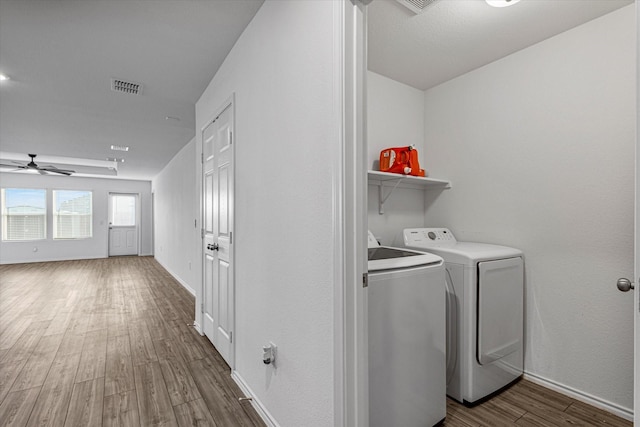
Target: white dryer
485	318
406	337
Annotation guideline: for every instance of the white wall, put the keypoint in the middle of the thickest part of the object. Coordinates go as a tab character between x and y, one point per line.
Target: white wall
540	149
95	247
283	73
177	220
395	117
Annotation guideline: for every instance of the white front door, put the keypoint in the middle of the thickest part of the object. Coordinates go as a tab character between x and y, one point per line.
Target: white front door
123	224
218	286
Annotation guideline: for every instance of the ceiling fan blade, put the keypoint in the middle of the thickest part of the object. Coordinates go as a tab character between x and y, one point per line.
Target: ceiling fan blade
42	172
56	170
14	166
17	163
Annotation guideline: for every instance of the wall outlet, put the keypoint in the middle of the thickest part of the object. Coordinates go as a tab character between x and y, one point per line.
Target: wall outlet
269	353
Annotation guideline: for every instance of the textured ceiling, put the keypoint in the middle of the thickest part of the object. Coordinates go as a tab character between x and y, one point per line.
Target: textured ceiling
452	37
62	54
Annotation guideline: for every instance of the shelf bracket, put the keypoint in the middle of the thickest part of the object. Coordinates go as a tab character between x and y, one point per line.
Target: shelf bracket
382	198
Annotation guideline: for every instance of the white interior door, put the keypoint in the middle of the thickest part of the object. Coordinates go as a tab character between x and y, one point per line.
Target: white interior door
636	303
123	224
218	286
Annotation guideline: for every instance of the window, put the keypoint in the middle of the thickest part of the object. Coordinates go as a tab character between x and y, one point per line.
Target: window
123	210
72	214
24	214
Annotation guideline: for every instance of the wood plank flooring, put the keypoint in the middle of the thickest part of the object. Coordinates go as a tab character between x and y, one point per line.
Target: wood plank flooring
106	343
528	404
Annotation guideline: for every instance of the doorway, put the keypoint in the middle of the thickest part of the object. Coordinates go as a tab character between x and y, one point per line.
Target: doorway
123	224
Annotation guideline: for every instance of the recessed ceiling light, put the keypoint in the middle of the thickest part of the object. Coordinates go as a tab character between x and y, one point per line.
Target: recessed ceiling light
115	159
501	3
3	77
172	118
119	148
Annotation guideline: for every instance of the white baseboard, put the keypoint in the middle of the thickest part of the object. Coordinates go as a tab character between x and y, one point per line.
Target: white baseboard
605	405
255	402
178	279
50	259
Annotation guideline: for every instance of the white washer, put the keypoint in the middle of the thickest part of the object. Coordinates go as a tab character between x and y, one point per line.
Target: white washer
406	337
485	298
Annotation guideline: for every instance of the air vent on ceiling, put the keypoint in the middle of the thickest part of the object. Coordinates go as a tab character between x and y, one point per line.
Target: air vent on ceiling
126	87
416	6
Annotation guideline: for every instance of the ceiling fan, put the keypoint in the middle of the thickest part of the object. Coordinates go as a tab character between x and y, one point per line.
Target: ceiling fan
42	170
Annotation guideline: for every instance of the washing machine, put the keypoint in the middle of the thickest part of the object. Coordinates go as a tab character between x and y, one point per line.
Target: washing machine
485	315
406	337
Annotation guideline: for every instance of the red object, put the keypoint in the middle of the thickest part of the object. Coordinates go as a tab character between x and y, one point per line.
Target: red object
402	160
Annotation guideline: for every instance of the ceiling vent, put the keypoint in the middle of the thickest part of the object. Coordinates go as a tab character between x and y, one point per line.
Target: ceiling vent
126	87
416	6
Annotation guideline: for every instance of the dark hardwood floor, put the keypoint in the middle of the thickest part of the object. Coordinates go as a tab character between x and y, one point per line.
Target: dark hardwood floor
107	343
528	404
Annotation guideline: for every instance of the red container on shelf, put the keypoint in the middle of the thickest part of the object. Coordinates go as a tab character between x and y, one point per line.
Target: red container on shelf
402	160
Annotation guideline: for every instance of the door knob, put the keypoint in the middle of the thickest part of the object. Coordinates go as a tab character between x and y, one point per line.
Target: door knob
215	247
624	285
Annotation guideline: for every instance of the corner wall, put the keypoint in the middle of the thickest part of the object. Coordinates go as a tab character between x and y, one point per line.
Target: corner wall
395	117
539	147
94	247
283	72
177	221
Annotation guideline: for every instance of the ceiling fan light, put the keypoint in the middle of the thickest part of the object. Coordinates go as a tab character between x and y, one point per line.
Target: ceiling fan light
3	77
501	3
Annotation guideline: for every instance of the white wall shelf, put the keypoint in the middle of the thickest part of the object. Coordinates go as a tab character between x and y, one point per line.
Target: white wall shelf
393	181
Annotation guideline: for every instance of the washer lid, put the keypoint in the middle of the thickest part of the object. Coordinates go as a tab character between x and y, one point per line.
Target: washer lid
371	241
386	258
469	253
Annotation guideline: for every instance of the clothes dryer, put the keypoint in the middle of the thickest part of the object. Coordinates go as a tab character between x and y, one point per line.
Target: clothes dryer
485	323
406	337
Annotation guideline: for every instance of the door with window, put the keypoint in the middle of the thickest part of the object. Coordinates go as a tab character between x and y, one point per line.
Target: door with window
123	224
218	278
